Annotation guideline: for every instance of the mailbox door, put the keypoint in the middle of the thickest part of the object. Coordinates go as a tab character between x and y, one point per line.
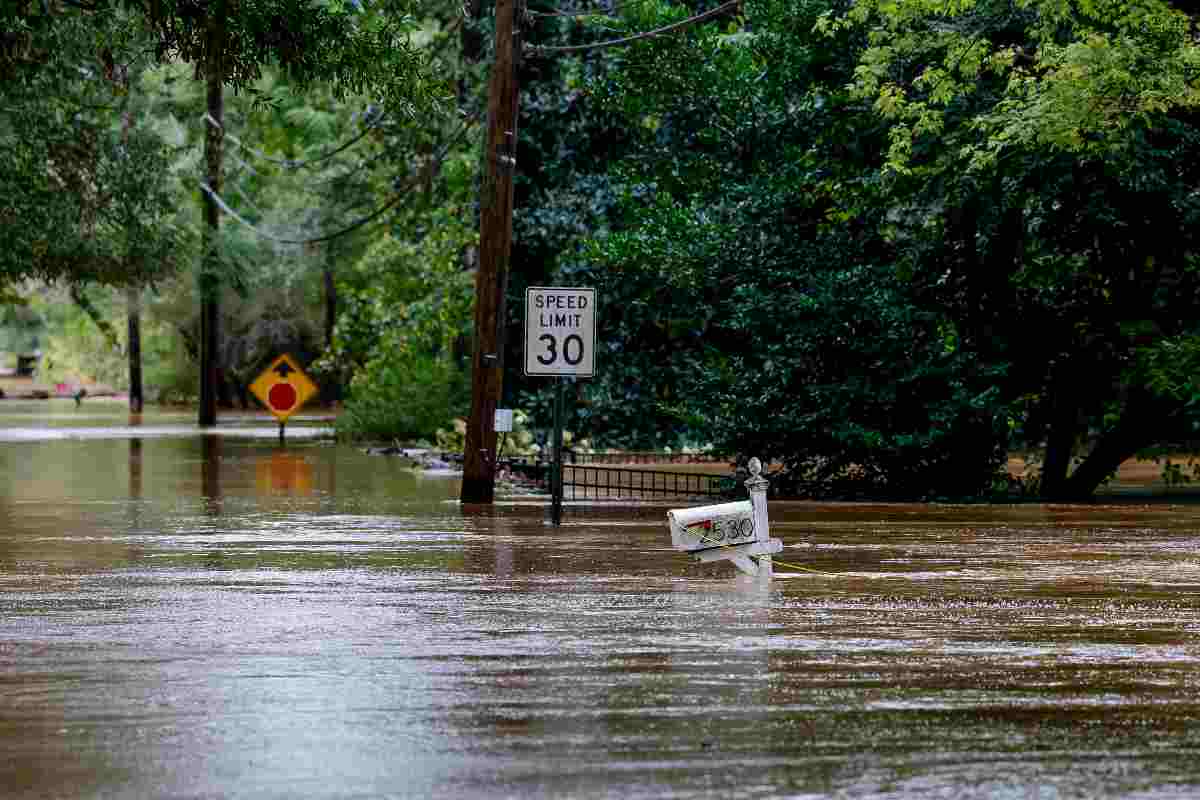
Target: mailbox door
707	527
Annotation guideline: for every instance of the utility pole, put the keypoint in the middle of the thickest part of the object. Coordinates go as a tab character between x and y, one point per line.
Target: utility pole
133	303
209	279
495	245
495	237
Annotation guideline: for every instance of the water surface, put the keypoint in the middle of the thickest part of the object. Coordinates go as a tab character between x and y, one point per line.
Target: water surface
203	616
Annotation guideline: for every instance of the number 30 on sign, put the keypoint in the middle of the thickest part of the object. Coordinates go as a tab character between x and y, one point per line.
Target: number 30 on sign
560	331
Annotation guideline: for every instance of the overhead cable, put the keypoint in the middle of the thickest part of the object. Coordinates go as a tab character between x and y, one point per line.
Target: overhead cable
595	12
579	48
358	223
291	163
313	240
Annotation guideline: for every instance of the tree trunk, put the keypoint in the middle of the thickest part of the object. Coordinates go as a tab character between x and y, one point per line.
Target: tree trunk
134	349
1144	420
209	280
1110	452
491	281
1062	428
104	326
331	297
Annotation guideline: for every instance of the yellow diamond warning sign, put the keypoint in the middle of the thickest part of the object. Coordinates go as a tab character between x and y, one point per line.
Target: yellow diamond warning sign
283	388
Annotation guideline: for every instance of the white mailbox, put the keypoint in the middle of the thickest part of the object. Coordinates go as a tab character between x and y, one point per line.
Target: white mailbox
737	532
703	528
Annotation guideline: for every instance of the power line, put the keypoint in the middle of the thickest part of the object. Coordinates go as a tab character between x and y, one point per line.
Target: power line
358	223
675	26
315	239
352	171
595	12
290	163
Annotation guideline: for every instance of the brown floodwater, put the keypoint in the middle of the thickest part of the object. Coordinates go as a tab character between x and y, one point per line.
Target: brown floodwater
192	616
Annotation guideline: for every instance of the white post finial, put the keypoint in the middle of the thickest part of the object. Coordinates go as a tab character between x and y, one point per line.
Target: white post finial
757	482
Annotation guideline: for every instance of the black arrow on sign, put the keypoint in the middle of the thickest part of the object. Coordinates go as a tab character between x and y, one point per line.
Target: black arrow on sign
283	369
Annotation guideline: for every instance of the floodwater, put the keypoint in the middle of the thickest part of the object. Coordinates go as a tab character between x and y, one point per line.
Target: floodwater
189	616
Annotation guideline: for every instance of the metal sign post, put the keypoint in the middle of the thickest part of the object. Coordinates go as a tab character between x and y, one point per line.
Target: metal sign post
560	342
556	479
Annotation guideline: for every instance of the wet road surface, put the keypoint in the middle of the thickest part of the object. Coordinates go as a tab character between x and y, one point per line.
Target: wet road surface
195	616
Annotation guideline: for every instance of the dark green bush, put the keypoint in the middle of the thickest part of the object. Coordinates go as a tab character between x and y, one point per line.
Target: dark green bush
407	397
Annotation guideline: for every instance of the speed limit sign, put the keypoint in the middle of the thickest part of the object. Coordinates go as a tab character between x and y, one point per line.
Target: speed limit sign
560	331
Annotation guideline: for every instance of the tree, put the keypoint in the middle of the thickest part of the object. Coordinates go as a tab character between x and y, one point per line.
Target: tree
1051	148
88	189
353	47
753	269
230	42
85	195
985	241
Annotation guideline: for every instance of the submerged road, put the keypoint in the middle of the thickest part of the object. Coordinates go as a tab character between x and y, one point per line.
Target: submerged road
188	616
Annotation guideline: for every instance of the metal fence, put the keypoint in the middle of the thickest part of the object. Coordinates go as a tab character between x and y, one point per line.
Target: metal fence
603	482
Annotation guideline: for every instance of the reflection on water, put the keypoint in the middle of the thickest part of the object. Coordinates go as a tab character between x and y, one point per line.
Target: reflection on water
210	470
284	472
60	419
217	616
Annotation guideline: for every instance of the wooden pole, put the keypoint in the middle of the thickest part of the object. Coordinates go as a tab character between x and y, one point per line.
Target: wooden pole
495	244
133	301
209	279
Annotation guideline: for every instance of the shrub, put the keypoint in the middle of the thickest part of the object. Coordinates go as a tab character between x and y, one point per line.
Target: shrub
406	397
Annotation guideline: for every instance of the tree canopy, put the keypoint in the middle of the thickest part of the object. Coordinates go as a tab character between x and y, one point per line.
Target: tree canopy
86	194
83	184
887	244
911	238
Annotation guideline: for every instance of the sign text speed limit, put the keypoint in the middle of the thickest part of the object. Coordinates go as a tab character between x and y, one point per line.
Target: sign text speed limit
560	331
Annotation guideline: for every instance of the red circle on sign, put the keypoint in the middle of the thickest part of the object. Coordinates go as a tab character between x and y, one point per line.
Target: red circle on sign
282	396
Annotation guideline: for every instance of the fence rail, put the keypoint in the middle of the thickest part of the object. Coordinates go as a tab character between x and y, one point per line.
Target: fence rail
601	482
644	457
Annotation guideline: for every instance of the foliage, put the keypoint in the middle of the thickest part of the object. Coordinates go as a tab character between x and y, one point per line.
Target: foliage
405	398
87	195
753	252
1078	76
940	226
567	193
857	392
349	48
22	327
1042	158
520	441
406	307
352	46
